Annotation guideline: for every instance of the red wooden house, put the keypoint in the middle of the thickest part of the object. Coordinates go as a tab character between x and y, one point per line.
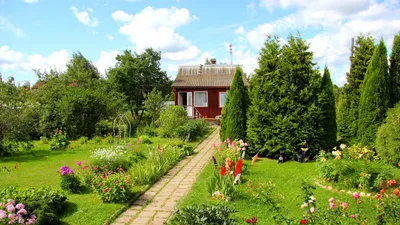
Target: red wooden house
201	90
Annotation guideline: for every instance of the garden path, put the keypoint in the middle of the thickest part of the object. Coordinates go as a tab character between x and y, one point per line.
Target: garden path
157	203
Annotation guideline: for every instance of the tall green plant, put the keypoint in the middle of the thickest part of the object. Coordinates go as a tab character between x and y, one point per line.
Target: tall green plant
234	117
347	118
327	103
394	71
375	98
284	109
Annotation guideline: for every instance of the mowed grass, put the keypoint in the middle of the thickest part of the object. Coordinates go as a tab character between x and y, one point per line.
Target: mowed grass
39	168
287	178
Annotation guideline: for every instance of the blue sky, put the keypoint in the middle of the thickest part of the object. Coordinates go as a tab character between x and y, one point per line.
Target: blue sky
43	34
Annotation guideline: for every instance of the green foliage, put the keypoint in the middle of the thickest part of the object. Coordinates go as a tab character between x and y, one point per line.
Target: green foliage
204	214
136	75
47	204
375	98
145	139
394	71
71	183
111	158
170	118
112	186
83	140
357	152
153	104
44	140
221	186
186	149
192	130
149	130
387	140
234	113
347	118
104	127
59	141
327	104
96	139
284	109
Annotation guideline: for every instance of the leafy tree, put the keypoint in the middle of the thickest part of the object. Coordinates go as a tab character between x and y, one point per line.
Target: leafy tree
375	98
387	139
171	117
153	104
327	103
138	74
234	116
394	71
347	118
284	109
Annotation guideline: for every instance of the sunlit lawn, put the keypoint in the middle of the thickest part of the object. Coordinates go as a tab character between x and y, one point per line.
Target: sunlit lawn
39	168
287	178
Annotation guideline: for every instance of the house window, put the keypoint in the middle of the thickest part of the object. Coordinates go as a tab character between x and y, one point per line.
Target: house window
200	99
222	97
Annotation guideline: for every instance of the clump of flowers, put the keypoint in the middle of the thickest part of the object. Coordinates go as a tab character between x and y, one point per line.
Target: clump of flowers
108	154
112	186
69	181
11	213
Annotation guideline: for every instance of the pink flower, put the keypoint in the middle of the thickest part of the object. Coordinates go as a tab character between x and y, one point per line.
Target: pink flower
353	216
10	208
331	200
84	168
382	191
2	214
344	205
356	195
331	205
79	163
22	211
213	145
11	216
377	196
312	210
10	202
244	149
19	206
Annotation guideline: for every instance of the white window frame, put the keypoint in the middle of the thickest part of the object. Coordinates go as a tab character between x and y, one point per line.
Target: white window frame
195	104
219	98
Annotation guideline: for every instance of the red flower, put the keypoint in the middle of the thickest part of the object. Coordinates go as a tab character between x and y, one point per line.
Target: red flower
222	171
238	167
253	220
396	191
377	196
303	221
382	191
105	189
391	182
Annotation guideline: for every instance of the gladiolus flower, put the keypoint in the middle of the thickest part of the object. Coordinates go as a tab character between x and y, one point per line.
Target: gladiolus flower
238	167
356	195
331	200
303	221
254	159
331	205
304	205
222	171
313	198
396	191
215	161
377	196
312	210
105	189
344	205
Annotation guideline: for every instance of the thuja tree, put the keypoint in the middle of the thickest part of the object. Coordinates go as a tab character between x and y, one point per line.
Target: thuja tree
327	103
347	118
284	110
375	98
394	71
234	116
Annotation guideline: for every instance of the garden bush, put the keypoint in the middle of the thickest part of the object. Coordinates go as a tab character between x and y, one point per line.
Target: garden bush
108	140
149	130
104	127
186	149
44	140
59	141
387	140
170	118
16	213
111	158
83	140
47	204
112	186
96	140
145	139
192	130
69	181
204	214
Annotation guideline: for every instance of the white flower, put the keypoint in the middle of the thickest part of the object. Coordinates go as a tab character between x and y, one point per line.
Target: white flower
342	146
305	204
312	198
310	201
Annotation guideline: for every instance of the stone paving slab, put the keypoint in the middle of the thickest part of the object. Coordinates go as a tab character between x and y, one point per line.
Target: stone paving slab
157	203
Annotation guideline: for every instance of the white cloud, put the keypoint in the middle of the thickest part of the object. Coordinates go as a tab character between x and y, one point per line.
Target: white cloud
240	30
90	9
251	7
156	28
13	60
84	17
110	37
30	1
106	60
7	26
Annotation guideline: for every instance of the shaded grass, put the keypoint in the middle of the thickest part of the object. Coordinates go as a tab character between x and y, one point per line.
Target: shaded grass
287	178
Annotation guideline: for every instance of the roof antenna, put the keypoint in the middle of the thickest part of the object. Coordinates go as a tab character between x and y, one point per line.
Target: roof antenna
230	52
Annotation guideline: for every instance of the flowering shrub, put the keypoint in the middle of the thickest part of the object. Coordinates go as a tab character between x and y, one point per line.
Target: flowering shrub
12	213
69	181
111	158
357	152
204	214
59	140
112	186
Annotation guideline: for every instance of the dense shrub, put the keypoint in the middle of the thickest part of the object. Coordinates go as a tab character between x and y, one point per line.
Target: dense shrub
104	127
96	140
186	149
387	140
170	118
59	141
47	204
145	139
111	158
83	140
16	213
192	130
108	140
44	140
149	130
69	181
204	214
112	186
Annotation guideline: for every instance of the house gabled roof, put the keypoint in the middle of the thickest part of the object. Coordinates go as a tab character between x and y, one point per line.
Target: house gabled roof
210	75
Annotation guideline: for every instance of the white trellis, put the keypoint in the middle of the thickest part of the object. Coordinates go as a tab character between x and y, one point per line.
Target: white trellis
121	129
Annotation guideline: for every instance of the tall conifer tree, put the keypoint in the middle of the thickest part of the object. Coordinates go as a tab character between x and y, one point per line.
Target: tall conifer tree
394	71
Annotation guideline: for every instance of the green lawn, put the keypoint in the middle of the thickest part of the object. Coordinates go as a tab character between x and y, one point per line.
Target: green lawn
287	178
39	168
